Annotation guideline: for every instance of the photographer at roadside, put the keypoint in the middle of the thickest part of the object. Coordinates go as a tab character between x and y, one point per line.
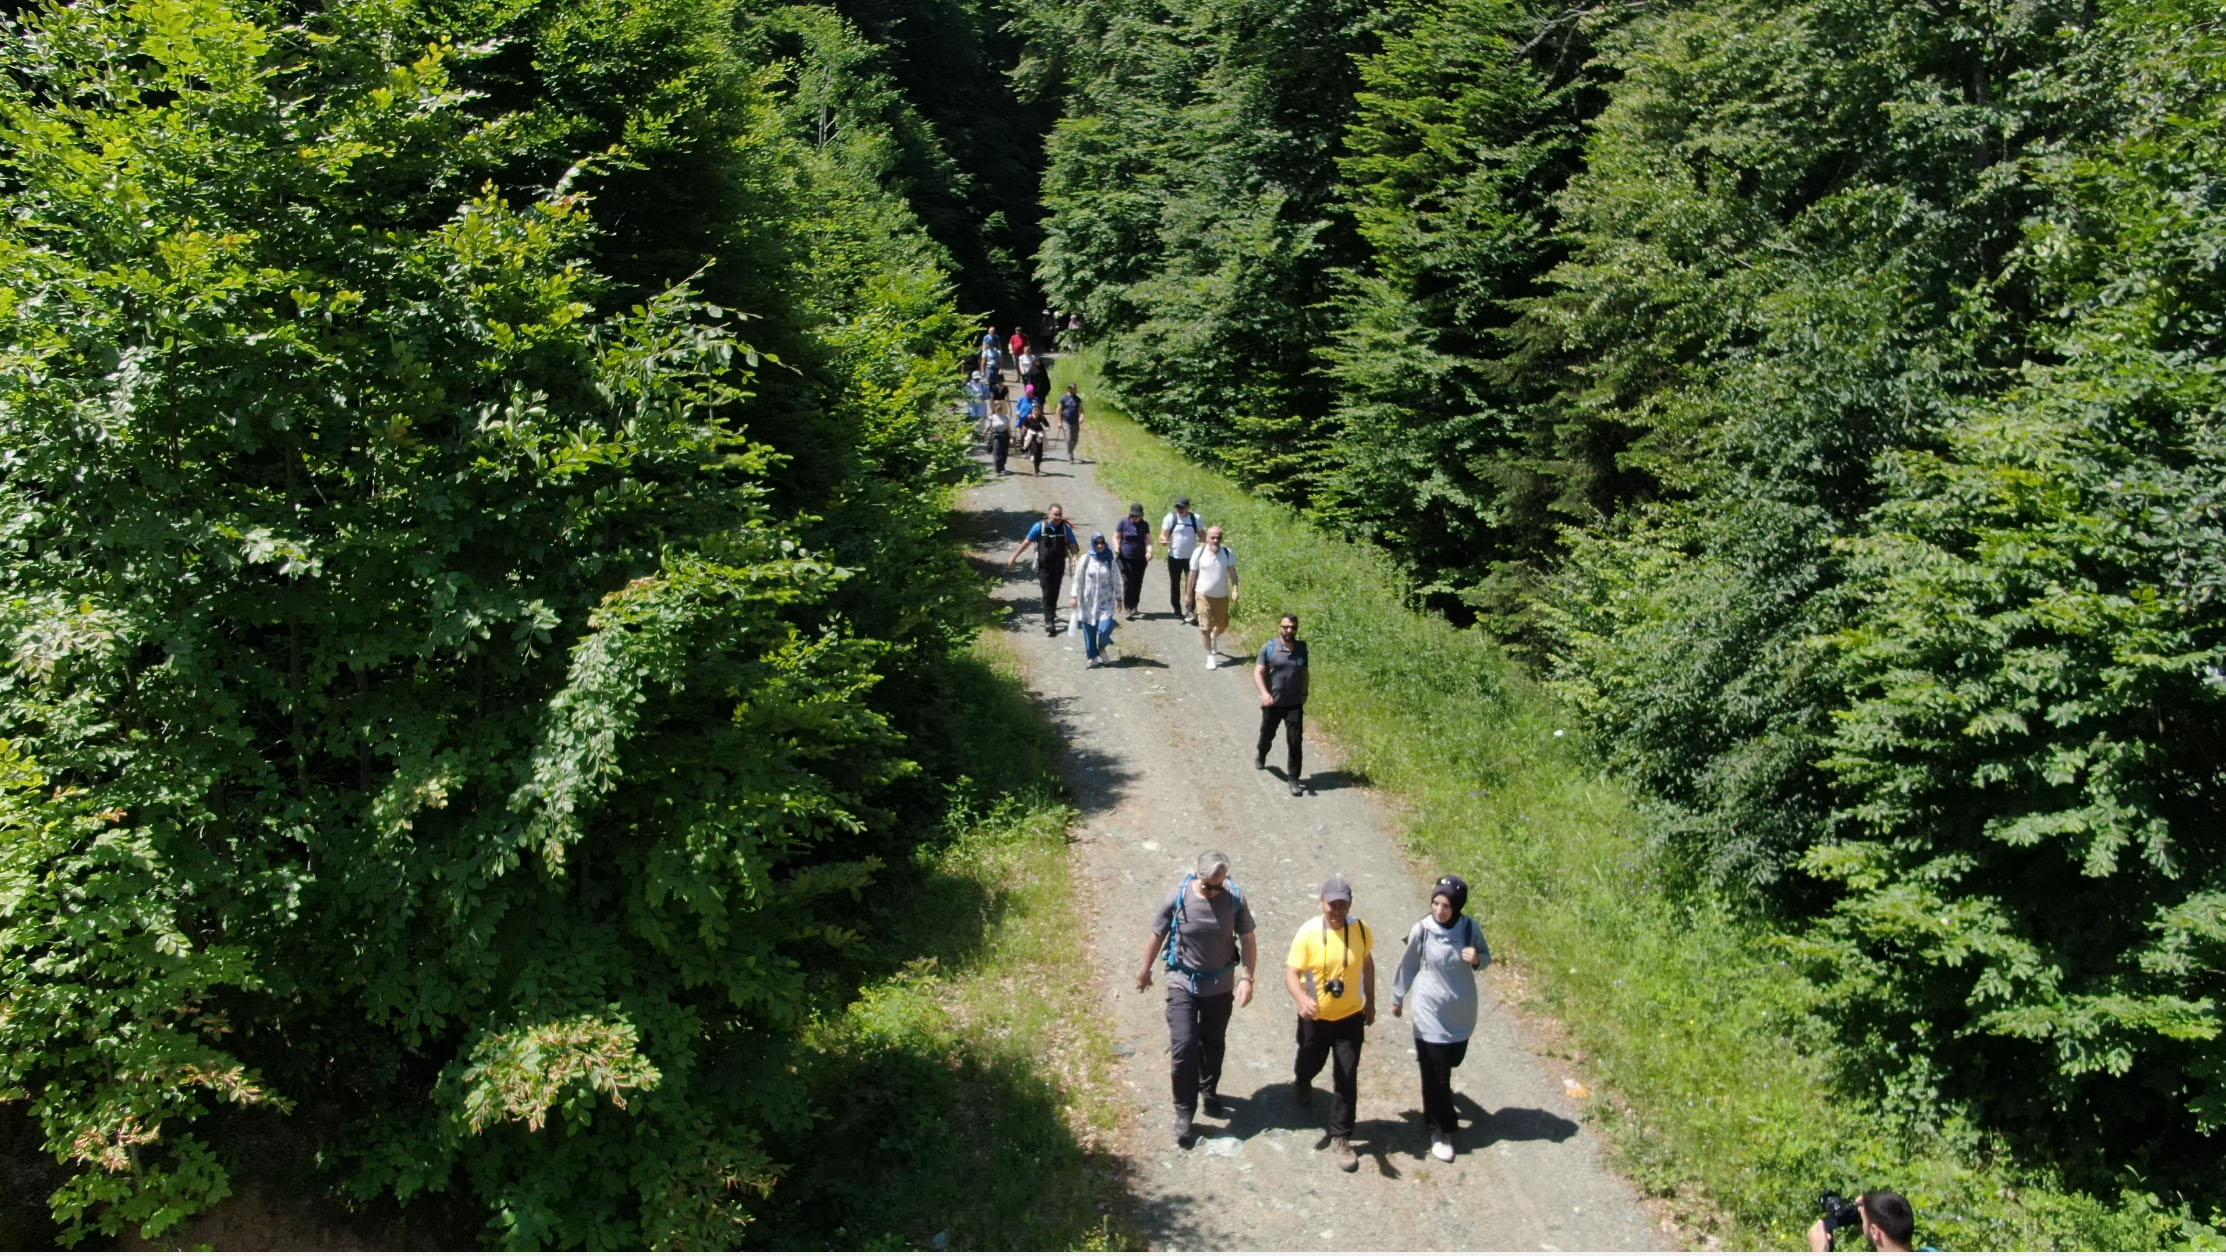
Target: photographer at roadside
1886	1219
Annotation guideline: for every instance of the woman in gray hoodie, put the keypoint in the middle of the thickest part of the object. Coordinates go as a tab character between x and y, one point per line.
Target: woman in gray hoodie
1438	975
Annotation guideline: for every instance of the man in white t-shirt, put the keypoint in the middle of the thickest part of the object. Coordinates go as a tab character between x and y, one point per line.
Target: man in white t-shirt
1213	585
1180	532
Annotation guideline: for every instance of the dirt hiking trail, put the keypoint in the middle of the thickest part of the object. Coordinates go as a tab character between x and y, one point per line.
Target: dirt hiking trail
1159	757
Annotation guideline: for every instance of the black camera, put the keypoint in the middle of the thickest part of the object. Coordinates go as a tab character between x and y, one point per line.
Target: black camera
1839	1214
1334	987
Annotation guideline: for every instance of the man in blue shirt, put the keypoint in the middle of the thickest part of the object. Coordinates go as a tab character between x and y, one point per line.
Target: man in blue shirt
1056	547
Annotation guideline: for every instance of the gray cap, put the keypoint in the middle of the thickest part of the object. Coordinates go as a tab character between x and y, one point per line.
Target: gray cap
1337	890
1182	503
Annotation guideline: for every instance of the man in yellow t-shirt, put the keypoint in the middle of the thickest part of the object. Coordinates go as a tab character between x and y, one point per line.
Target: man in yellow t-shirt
1331	974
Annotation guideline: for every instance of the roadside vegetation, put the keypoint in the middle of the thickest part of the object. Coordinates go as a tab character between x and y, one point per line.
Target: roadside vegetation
1717	1079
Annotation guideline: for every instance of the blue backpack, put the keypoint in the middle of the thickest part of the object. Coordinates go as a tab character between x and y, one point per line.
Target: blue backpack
1175	933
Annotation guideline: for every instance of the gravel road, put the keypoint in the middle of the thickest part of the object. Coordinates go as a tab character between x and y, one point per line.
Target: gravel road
1159	755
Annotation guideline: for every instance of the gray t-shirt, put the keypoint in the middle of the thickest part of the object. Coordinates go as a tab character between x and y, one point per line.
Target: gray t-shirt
1436	985
1286	671
1207	941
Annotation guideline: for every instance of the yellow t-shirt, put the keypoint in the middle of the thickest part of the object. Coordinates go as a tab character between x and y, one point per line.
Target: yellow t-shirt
1321	952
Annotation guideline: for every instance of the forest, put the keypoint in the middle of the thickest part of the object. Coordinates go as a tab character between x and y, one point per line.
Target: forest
1825	396
479	613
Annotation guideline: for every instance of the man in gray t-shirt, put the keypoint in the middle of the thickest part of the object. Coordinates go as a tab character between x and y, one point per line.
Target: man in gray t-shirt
1203	935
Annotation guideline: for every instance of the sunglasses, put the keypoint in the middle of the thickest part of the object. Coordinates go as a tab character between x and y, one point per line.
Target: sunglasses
1210	890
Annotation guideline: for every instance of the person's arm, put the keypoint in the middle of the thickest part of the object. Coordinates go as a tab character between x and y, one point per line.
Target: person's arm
1190	585
1368	987
1291	982
1410	964
1250	949
1166	526
1232	574
1151	956
1026	541
1260	682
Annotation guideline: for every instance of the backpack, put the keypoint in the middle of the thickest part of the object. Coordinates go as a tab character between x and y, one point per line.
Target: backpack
1175	932
1052	543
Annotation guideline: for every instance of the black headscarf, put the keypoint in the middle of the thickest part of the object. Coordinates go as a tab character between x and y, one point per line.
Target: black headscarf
1456	892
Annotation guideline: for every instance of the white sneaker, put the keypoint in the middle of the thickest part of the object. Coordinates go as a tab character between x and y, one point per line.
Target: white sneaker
1212	661
1443	1150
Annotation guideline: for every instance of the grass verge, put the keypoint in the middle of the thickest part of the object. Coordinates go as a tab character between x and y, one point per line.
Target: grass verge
962	1095
1712	1082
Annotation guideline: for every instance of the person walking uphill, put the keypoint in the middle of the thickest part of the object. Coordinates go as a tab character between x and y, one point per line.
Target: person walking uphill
1133	544
1096	598
1333	982
1070	417
1202	934
1281	678
1438	976
1180	532
1055	547
1213	586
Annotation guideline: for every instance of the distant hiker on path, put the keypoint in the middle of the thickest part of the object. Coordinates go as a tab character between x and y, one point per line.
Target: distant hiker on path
1281	677
1070	417
1333	982
1097	586
1202	934
1438	975
1180	532
1055	546
1133	539
1213	585
1028	417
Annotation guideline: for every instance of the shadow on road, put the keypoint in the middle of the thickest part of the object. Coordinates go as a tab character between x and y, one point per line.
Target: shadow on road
1511	1125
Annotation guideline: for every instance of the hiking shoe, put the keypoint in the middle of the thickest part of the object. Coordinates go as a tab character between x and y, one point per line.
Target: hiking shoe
1212	661
1184	1136
1260	762
1347	1158
1051	630
1216	1107
1297	789
1303	1093
1443	1150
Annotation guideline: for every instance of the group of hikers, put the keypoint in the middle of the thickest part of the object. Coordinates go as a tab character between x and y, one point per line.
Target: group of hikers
1203	937
1000	416
1202	584
1203	933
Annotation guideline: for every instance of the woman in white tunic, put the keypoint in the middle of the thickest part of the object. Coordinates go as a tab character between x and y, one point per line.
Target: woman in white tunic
1097	597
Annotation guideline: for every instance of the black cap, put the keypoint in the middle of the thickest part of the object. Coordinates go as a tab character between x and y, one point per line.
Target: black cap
1182	503
1337	890
1136	508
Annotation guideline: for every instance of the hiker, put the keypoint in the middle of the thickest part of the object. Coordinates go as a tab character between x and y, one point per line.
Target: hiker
1055	547
1096	589
1070	417
1336	1004
977	406
1028	420
1133	541
1179	532
1213	585
1281	677
1438	975
1887	1219
1018	344
1000	441
1202	934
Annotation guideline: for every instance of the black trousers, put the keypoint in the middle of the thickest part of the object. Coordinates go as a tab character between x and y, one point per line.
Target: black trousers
1000	447
1049	572
1338	1043
1197	1035
1438	1060
1132	581
1035	448
1293	720
1178	570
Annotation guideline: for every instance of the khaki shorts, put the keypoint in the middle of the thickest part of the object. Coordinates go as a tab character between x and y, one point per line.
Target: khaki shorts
1215	616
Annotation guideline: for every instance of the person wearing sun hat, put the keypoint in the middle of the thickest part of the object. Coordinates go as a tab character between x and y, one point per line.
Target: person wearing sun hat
1437	975
1331	975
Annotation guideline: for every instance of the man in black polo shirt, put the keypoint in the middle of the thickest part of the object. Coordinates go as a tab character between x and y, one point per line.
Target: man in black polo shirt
1281	678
